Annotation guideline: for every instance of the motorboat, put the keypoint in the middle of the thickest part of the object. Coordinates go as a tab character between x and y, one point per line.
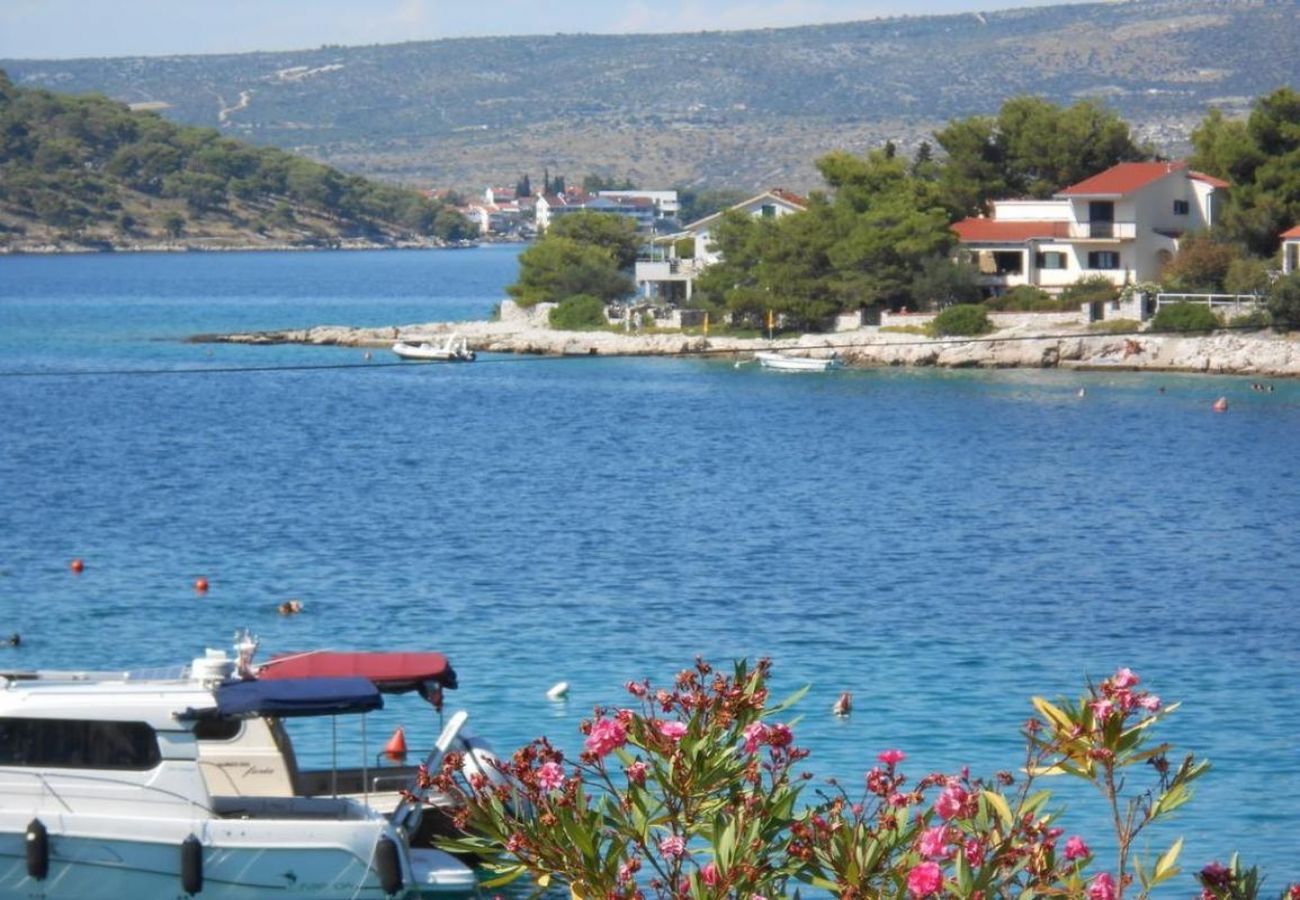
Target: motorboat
452	348
785	363
109	786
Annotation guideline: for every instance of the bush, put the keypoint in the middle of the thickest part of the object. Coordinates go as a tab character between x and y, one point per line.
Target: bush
1116	326
1256	318
1284	302
963	319
580	313
1093	289
1026	298
1185	317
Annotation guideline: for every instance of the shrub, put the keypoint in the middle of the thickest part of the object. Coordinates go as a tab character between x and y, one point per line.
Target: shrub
1256	318
579	313
1185	317
1093	289
1116	326
693	792
1026	298
1284	302
962	319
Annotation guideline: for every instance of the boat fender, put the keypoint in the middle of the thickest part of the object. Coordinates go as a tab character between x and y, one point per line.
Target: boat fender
388	865
191	865
38	850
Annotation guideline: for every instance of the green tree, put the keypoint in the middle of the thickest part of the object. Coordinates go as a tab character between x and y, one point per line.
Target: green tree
558	267
1202	265
1031	148
174	224
611	232
941	283
1284	302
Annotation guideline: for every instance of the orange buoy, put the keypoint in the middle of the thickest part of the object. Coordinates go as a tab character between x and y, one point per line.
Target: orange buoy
1221	405
76	566
396	746
201	585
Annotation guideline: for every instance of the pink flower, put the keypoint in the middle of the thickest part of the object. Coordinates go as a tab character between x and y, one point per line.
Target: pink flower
672	846
606	735
925	879
779	735
673	730
950	802
1124	678
515	842
709	874
636	772
1075	848
974	853
1150	702
1101	709
550	776
755	735
892	757
934	842
1102	887
635	688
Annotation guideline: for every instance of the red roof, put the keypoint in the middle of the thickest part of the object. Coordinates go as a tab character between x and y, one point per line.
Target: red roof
1208	179
1291	233
975	231
1124	178
790	197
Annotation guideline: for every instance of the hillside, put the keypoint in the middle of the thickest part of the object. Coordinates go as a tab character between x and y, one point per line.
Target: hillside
78	171
706	109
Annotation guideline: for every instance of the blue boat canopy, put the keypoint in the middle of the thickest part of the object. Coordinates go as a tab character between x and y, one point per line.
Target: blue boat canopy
290	697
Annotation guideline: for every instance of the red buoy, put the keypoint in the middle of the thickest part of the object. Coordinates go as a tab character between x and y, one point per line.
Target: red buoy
201	585
396	746
76	566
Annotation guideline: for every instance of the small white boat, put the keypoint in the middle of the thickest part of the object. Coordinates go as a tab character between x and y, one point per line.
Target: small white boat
454	348
106	789
785	363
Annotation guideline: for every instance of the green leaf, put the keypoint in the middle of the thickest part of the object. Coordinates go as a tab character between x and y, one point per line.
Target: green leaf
999	803
1167	862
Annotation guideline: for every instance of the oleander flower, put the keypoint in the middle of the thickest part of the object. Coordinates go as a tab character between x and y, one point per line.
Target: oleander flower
934	842
550	776
951	801
1102	887
709	874
1075	848
673	846
636	772
1101	709
672	729
755	735
925	879
1124	678
606	736
891	757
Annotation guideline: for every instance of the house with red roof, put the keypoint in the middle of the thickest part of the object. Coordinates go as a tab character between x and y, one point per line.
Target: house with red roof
1291	251
668	276
1124	224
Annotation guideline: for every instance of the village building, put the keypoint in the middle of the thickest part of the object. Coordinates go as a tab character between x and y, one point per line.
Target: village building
1123	224
1291	251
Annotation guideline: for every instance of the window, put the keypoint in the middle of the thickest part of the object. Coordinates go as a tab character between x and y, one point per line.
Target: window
768	211
78	744
218	729
1103	259
1050	259
1180	207
1008	262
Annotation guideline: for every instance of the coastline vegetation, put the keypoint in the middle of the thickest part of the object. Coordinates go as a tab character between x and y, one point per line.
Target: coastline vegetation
87	170
695	791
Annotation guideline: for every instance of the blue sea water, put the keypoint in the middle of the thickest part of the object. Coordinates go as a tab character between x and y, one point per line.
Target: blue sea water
943	544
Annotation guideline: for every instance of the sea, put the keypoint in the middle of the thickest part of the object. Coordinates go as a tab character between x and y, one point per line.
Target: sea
943	544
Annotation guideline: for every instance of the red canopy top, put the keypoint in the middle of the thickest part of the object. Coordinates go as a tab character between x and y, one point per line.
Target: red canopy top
392	673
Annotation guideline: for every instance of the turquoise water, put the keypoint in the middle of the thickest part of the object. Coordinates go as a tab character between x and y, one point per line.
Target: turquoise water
943	544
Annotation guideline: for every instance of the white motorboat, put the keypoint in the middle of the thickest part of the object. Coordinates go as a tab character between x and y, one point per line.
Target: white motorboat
786	363
453	348
105	792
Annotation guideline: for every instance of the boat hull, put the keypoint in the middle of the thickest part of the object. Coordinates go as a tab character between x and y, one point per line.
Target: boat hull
783	363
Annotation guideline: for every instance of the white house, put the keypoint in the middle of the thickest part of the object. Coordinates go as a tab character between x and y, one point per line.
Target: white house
1291	251
1124	224
669	275
665	202
549	207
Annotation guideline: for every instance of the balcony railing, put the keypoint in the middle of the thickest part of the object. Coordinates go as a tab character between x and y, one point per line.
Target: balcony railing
1103	231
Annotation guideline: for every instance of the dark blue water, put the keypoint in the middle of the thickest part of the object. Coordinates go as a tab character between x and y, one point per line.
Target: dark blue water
943	544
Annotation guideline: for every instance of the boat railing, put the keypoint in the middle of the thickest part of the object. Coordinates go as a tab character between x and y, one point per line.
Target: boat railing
101	779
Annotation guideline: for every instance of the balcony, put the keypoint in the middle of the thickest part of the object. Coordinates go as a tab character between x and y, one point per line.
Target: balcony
1103	231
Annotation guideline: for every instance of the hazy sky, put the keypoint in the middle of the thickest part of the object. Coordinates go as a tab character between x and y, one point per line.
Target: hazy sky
42	29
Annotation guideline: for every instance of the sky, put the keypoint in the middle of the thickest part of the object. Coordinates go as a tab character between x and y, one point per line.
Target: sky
62	29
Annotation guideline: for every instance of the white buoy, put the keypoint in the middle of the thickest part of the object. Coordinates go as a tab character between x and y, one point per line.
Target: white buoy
558	691
1083	392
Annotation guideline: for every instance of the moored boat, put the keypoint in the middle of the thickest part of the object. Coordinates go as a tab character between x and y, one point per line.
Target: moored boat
785	363
105	791
453	348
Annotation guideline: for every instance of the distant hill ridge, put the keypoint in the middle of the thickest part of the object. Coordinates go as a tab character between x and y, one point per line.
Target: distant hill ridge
737	109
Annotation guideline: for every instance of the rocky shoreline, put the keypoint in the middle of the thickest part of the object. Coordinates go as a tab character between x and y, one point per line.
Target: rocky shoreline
1259	353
